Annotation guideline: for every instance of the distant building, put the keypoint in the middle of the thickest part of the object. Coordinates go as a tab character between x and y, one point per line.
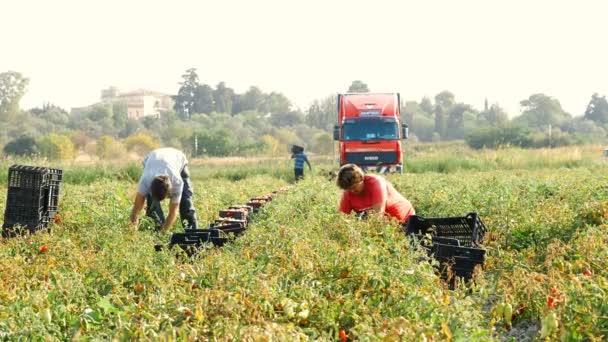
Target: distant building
140	103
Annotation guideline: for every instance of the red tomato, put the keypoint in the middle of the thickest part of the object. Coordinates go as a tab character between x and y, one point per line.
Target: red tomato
551	302
342	336
587	272
43	249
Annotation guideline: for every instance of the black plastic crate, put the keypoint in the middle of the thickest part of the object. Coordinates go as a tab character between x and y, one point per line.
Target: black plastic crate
228	221
232	230
256	205
297	149
242	206
426	241
447	252
469	229
266	198
191	242
31	177
239	214
32	195
20	199
52	192
188	238
226	225
456	261
10	229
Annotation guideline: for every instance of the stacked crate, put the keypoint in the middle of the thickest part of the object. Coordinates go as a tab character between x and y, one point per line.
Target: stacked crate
232	222
453	241
32	199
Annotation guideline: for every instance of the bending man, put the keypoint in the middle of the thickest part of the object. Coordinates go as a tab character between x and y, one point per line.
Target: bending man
165	175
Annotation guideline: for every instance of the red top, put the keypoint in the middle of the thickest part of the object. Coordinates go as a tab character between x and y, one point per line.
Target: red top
377	189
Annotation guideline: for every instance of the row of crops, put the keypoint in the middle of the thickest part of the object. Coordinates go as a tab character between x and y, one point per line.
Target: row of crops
303	271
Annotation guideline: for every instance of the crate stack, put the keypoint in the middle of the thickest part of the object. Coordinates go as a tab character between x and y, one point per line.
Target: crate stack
32	199
453	241
231	222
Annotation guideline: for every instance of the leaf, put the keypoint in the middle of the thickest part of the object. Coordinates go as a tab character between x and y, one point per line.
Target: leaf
446	330
106	306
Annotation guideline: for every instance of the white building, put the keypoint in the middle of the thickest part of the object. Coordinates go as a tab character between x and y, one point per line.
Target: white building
140	103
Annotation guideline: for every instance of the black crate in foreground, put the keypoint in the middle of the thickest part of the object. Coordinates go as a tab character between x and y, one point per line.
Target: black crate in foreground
469	229
32	199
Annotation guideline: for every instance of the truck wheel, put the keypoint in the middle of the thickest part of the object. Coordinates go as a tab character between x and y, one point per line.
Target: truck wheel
400	169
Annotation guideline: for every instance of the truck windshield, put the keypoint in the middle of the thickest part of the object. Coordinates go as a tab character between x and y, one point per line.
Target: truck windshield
370	130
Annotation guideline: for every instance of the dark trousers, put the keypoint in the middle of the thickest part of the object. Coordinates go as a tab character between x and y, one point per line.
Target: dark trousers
299	174
186	206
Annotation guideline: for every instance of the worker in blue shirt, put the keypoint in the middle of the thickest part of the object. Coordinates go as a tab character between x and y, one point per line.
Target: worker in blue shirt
297	154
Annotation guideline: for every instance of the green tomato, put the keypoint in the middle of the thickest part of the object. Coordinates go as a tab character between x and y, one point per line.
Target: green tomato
508	313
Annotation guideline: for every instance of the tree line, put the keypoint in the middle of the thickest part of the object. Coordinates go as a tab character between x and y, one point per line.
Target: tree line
218	121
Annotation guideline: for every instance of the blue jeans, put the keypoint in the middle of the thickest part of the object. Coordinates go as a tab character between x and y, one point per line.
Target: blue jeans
299	174
186	206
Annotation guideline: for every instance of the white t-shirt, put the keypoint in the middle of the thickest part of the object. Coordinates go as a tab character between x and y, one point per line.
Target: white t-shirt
164	161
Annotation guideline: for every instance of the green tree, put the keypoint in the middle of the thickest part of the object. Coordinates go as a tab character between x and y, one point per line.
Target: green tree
100	112
419	117
223	97
597	109
286	119
322	114
494	137
119	115
251	100
455	120
52	114
427	106
22	146
494	115
13	86
443	103
216	143
186	95
358	86
540	111
203	99
275	103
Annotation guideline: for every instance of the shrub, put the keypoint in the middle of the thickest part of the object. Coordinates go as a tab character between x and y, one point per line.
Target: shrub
141	143
322	143
493	137
22	146
55	146
108	148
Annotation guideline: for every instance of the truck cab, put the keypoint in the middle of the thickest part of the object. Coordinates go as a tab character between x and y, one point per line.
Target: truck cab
369	131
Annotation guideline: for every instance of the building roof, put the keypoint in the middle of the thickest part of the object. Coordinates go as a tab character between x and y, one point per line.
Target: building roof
142	92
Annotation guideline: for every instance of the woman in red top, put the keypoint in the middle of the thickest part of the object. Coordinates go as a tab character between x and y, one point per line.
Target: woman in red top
371	193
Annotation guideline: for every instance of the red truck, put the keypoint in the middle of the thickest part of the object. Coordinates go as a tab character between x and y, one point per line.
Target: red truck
370	131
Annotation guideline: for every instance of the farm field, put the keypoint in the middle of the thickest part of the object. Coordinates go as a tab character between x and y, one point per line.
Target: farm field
304	272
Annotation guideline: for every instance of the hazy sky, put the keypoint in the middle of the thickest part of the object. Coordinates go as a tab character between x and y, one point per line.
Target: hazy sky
502	50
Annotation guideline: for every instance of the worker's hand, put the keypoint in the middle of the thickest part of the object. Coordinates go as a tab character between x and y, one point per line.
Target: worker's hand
133	223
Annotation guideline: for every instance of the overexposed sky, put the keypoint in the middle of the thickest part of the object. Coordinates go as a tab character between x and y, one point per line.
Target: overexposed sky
502	50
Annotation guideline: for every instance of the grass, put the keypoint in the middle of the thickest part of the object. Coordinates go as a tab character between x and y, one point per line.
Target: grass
303	271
